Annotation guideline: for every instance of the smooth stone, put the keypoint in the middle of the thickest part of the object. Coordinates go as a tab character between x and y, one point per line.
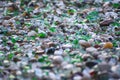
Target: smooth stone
57	59
106	22
106	4
68	66
111	14
16	59
104	67
40	52
50	44
18	73
74	52
67	46
77	77
31	33
112	61
58	52
88	1
98	1
106	37
52	76
115	75
6	62
91	64
91	41
38	72
50	51
86	57
115	1
91	49
32	60
116	69
86	72
103	75
108	45
84	43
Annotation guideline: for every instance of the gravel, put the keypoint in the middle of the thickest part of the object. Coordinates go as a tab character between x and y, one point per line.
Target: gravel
59	40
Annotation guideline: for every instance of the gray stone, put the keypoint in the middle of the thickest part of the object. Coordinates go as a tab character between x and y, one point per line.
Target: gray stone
31	33
57	59
91	49
67	46
84	43
58	52
104	67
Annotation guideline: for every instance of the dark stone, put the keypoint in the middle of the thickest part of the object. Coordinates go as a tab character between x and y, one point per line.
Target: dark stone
106	22
90	64
114	75
104	67
50	51
110	39
7	17
103	76
16	59
47	67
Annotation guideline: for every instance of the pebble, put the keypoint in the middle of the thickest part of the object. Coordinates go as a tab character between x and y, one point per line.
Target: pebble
58	52
18	73
91	64
104	67
116	69
6	63
106	22
103	75
38	72
111	14
57	59
86	72
51	44
88	1
77	77
50	51
40	52
52	76
32	33
68	66
108	45
86	57
67	46
84	43
91	49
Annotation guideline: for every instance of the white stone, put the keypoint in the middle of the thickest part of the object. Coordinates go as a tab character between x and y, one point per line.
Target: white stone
86	72
68	66
52	76
58	52
116	69
38	72
32	33
111	14
91	49
67	46
18	73
77	77
57	59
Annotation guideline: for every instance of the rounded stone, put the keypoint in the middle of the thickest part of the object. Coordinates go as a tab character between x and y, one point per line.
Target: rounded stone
57	59
90	64
31	33
91	49
84	43
104	67
108	45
